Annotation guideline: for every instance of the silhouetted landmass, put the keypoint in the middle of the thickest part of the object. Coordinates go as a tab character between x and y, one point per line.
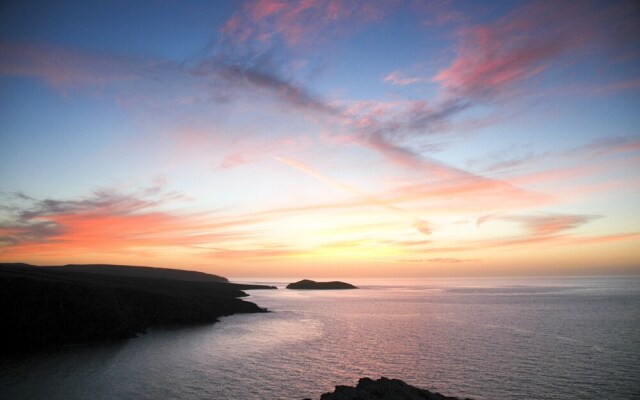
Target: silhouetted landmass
142	272
308	284
383	389
47	306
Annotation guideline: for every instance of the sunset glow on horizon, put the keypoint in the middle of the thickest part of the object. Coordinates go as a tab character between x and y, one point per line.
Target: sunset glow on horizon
313	138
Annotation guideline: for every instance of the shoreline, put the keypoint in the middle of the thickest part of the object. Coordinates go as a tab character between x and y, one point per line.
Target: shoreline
46	307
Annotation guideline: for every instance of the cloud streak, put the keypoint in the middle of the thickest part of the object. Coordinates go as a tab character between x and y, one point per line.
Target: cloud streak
66	67
397	78
419	224
299	23
110	221
542	225
494	57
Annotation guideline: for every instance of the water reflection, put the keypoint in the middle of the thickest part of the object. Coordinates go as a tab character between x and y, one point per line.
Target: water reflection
503	338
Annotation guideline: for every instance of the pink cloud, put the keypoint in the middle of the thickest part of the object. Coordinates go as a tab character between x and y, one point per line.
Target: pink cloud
544	224
423	227
493	57
471	194
299	22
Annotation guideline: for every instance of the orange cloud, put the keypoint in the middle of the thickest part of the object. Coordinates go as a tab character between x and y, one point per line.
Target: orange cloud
110	222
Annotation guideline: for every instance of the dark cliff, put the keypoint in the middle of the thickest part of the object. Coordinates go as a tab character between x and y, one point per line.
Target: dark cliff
45	306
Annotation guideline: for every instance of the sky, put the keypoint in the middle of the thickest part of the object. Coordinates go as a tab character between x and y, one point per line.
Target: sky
322	138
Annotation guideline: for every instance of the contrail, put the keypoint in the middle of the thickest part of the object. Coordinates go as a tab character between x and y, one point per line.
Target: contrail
420	224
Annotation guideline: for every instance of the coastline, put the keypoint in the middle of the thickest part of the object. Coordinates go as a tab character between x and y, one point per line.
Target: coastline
45	307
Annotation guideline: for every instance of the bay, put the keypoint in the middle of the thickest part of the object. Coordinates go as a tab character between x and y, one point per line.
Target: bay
486	338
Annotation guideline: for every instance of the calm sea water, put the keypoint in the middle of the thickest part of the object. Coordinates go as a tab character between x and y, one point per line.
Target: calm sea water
539	338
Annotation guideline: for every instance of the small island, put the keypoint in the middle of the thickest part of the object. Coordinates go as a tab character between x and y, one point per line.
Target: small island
307	284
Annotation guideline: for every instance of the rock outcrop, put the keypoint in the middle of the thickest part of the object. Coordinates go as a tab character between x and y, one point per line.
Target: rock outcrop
383	389
308	284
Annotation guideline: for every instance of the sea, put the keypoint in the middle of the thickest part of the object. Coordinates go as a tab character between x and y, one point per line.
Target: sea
483	338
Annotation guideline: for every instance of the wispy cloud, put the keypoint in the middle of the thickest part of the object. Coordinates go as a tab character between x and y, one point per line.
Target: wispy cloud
267	57
592	161
536	242
265	44
522	243
110	221
438	13
419	224
259	74
454	195
402	131
400	79
299	23
438	260
495	56
544	224
65	67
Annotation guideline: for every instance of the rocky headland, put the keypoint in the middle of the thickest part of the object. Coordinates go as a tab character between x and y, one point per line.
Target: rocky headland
383	389
44	307
308	284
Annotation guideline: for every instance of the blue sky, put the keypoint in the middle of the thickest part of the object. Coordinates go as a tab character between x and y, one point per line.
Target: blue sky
269	137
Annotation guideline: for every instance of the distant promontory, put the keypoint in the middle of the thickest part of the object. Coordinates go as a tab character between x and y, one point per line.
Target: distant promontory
307	284
45	307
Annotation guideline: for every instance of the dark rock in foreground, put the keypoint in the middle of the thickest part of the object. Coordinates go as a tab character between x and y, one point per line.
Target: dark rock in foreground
42	307
383	389
313	285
